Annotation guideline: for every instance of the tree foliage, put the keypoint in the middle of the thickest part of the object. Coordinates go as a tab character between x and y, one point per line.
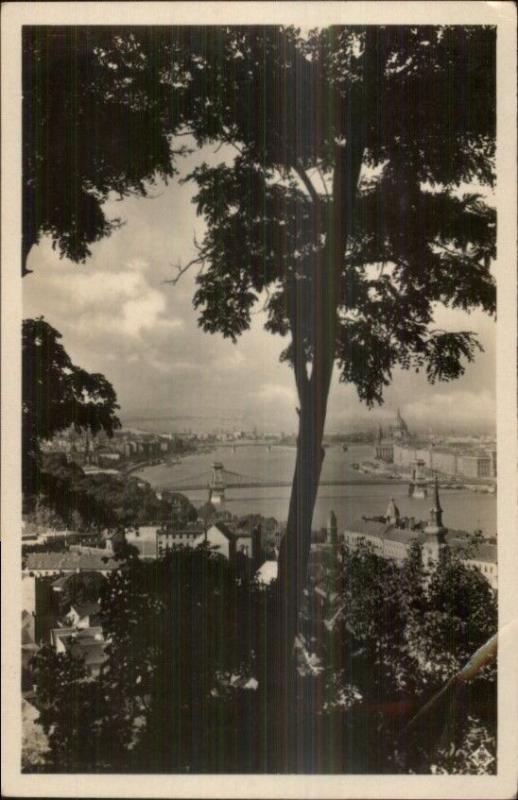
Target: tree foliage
183	637
393	637
101	500
82	587
410	240
101	130
57	394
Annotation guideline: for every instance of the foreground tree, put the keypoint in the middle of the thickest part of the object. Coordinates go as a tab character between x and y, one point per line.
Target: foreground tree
57	394
342	209
178	691
172	697
393	649
104	130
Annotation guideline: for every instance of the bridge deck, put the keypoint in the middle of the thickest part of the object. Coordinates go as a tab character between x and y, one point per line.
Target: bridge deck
280	484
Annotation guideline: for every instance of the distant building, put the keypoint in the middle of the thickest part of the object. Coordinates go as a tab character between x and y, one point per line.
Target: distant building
83	615
399	430
231	542
392	535
144	538
476	465
169	537
77	559
446	460
385	444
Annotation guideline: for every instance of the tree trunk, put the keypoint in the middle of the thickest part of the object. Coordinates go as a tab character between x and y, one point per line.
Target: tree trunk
284	704
286	713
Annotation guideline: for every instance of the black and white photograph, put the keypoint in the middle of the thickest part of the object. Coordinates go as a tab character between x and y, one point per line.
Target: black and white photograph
263	396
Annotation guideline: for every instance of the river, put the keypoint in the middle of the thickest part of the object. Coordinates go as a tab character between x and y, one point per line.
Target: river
463	509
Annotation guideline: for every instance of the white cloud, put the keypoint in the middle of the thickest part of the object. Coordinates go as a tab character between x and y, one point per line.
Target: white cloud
227	362
99	301
276	393
117	316
137	264
465	406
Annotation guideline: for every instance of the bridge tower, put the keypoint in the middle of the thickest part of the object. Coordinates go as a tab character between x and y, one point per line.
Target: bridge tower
217	485
417	487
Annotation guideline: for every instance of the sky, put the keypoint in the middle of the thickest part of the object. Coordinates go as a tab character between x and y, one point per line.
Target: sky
118	316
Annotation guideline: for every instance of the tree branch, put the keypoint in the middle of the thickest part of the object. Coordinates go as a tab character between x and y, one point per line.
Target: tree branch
301	172
483	656
322	178
182	270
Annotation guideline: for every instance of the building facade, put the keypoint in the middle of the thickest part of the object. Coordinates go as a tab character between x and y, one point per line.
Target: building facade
446	460
391	537
385	444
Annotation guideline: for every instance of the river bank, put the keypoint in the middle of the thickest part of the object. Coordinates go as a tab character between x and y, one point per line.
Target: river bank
265	477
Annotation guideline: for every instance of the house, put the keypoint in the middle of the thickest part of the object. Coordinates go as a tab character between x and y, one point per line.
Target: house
391	537
86	644
144	538
229	542
76	559
40	596
219	537
183	536
83	615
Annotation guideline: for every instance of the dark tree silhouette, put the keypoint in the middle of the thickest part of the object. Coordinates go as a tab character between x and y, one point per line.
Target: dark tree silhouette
343	207
57	394
175	693
171	696
97	105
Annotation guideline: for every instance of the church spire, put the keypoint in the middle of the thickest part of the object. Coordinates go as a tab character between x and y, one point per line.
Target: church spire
436	511
392	514
435	532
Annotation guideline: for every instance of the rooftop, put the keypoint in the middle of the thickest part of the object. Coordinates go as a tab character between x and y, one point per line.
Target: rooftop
71	561
87	609
456	539
267	572
87	644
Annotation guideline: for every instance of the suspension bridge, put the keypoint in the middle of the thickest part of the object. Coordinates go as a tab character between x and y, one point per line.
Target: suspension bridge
218	479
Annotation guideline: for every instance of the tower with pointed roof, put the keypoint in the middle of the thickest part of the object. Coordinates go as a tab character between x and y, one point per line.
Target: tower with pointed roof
383	447
392	515
332	528
399	429
435	532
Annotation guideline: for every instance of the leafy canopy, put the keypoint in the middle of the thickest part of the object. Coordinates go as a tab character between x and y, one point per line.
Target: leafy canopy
57	394
422	122
385	646
411	110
